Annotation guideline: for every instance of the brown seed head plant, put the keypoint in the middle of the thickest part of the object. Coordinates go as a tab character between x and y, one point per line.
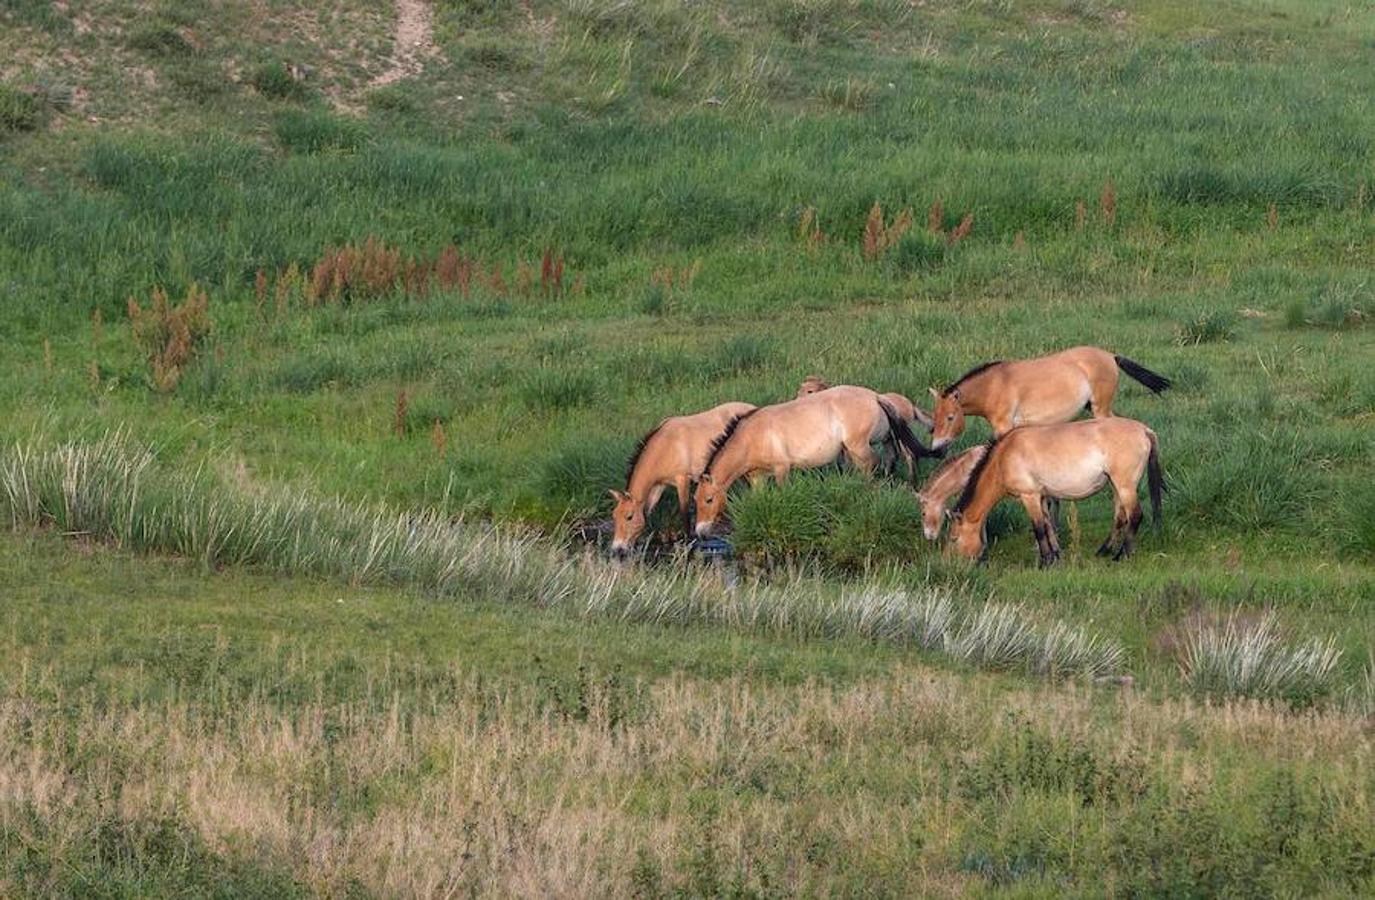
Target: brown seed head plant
1272	217
1107	203
935	218
439	439
878	237
170	335
961	230
1081	214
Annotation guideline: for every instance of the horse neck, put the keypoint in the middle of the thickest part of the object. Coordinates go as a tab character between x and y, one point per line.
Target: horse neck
946	483
987	492
975	393
641	479
731	463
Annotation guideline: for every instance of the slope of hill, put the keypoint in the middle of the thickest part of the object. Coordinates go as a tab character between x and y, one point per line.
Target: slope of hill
458	256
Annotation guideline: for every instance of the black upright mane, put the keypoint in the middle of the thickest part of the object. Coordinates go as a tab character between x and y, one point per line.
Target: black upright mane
972	485
977	370
719	442
638	452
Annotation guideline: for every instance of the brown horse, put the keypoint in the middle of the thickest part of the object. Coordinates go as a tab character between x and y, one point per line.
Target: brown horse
906	409
1041	391
946	482
1068	461
804	433
674	453
909	411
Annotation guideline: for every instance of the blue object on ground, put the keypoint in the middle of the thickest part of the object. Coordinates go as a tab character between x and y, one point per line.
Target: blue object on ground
713	548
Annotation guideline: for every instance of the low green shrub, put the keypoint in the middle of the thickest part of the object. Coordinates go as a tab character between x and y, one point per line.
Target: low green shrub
316	131
274	80
19	110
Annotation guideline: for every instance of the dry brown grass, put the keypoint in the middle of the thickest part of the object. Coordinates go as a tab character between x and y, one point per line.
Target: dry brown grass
170	335
498	791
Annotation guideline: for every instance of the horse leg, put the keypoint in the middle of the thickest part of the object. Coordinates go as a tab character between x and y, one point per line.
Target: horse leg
757	477
1040	529
863	457
652	500
683	484
1130	508
1101	392
780	473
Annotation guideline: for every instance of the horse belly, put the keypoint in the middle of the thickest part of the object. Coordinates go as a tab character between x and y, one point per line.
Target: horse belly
810	449
1075	479
1052	407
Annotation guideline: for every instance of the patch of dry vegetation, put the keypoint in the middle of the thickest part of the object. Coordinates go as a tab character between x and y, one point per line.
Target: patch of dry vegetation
602	787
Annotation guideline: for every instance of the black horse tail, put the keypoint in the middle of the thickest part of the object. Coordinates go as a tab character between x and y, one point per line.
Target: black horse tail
1155	478
898	426
1153	380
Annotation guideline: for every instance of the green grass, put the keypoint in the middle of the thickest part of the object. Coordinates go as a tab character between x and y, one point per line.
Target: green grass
670	153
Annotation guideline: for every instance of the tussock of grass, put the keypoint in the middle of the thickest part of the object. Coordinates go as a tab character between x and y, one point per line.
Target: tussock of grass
110	491
1248	657
19	110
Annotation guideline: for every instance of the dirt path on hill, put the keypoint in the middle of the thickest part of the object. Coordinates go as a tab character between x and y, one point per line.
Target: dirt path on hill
413	41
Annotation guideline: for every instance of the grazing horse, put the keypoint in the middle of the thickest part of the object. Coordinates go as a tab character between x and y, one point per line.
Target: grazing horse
1068	461
674	453
1041	391
906	409
909	411
804	433
946	482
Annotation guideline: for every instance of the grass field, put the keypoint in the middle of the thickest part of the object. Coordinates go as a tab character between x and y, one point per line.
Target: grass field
467	292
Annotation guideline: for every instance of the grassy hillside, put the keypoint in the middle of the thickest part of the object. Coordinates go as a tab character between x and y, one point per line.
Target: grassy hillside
466	271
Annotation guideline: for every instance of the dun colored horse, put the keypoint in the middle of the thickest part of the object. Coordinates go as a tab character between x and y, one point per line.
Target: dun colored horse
905	408
807	432
909	411
946	482
1041	391
1068	461
674	453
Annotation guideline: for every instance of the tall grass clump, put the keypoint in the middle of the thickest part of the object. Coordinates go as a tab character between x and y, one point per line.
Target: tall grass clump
275	81
1262	481
1247	657
19	110
1206	328
111	491
316	131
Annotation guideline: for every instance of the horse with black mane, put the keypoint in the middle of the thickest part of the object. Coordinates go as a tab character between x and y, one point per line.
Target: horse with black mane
1041	391
808	432
1068	461
674	453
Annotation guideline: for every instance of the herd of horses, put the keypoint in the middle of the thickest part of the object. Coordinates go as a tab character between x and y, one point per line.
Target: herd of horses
1039	453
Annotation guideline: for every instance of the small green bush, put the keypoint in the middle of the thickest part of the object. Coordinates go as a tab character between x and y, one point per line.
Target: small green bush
547	389
315	131
273	80
839	519
1206	328
575	476
917	251
392	99
1252	482
744	353
160	39
19	110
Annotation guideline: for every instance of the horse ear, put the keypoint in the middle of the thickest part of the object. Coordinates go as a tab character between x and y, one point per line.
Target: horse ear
706	478
616	495
935	394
